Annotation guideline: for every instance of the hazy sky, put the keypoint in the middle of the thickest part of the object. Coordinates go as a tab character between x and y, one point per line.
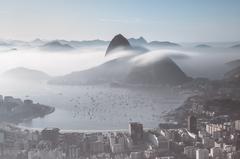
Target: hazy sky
174	20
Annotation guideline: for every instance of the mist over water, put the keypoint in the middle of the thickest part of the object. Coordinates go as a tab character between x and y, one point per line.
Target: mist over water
208	63
97	106
53	63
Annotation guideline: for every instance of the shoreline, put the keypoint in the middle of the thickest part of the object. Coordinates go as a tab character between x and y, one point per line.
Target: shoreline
81	131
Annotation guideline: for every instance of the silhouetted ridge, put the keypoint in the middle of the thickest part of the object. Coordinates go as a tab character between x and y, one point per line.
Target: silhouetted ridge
202	46
119	41
163	44
56	46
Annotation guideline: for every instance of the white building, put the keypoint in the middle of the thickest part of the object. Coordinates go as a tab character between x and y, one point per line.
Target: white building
216	130
202	154
237	124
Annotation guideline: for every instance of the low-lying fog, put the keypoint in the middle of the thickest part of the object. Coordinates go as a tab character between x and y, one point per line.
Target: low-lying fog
53	63
203	62
103	106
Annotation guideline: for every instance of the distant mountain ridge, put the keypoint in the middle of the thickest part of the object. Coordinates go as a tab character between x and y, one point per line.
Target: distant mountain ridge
163	44
203	46
86	43
138	41
135	42
56	46
37	42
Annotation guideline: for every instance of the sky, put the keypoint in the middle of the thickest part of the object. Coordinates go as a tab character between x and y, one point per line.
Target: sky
164	20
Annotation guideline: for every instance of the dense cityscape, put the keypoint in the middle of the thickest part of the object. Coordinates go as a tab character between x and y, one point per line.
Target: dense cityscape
201	139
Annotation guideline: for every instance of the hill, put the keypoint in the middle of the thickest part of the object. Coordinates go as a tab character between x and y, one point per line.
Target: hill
26	74
156	71
118	42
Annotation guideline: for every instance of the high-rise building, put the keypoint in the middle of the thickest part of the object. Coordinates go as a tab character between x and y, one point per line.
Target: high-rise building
192	124
136	132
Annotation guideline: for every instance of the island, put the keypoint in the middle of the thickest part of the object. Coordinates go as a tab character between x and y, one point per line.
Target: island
14	110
